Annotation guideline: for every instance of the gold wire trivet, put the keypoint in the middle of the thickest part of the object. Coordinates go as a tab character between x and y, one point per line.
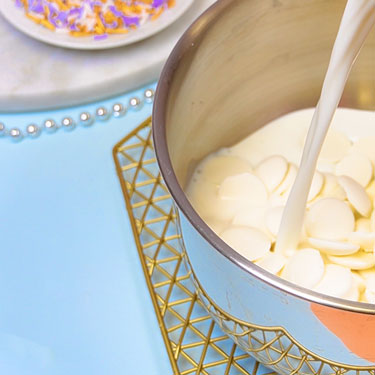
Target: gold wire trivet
194	342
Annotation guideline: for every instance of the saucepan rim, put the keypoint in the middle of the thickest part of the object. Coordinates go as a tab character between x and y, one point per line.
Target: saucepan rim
186	42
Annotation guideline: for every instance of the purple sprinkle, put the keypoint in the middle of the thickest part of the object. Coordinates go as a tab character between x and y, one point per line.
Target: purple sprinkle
93	3
101	37
62	17
157	3
130	21
76	11
116	12
52	9
36	6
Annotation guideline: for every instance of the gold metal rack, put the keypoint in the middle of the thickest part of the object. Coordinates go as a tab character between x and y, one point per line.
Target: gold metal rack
194	342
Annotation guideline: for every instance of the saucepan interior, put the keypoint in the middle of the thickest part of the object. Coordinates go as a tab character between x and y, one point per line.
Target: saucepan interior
241	65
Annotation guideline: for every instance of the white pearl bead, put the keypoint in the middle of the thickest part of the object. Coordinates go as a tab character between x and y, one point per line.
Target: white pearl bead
135	103
50	125
15	134
32	130
118	110
102	114
149	95
68	123
85	119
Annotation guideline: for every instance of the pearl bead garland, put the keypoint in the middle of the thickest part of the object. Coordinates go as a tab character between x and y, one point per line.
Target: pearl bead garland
85	119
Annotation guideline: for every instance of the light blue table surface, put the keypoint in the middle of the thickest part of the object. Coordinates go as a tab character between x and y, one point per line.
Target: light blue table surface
73	299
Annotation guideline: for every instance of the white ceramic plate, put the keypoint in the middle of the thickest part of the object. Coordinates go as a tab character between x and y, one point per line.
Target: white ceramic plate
16	17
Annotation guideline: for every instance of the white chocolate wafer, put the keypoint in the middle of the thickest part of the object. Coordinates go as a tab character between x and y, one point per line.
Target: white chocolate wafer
358	261
357	195
366	240
334	247
255	217
305	268
330	219
316	186
288	180
331	188
272	171
353	294
337	281
244	187
272	262
251	243
356	166
273	219
335	147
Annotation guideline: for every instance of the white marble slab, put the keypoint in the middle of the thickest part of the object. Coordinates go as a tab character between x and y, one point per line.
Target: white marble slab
37	76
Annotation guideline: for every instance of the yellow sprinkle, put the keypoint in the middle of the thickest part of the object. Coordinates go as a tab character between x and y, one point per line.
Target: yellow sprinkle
47	24
78	33
116	31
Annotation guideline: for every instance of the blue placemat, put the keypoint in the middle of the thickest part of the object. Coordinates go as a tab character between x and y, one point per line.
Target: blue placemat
73	296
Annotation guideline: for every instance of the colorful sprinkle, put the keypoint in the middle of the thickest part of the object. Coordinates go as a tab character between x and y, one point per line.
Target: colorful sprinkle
97	18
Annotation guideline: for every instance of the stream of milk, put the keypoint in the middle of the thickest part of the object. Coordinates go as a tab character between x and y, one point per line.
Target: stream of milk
358	19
